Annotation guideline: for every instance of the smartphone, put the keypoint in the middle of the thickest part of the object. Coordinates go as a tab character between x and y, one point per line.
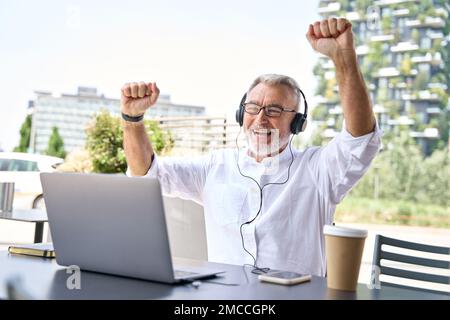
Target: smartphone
284	277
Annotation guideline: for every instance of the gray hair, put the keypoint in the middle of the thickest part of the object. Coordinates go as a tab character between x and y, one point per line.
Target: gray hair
271	79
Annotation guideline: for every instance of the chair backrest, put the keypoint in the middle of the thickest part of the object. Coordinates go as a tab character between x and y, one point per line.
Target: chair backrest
380	254
186	227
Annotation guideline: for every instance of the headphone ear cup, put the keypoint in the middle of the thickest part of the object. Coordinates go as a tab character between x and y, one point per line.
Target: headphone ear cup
238	116
295	124
298	124
304	123
240	111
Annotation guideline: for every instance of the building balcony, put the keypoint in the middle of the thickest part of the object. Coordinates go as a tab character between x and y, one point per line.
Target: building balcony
434	111
336	110
362	50
382	38
387	72
401	121
428	133
435	35
401	12
432	22
441	12
322	3
422	59
404	47
379	109
438	85
324	100
385	3
401	85
424	95
354	16
428	58
332	7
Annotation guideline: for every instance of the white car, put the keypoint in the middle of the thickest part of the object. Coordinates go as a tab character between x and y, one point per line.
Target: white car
23	169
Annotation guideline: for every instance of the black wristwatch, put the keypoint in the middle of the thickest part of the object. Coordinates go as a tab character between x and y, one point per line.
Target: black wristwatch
132	119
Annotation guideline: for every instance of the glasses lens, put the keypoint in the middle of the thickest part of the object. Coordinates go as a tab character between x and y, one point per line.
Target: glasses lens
251	108
274	111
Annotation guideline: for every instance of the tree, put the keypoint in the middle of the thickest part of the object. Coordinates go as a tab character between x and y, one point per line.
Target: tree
400	172
421	81
105	142
436	181
25	134
55	145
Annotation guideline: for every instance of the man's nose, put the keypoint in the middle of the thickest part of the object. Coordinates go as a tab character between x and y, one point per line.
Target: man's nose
261	116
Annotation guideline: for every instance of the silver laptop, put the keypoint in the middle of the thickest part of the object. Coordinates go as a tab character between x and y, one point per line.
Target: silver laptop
112	224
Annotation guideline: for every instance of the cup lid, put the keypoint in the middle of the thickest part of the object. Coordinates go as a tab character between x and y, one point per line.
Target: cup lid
344	232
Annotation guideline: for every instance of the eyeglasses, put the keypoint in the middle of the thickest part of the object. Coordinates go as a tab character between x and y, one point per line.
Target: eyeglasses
272	111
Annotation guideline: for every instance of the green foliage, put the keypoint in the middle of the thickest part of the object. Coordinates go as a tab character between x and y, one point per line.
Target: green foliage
387	211
318	70
25	134
319	112
421	81
317	138
400	172
393	107
321	86
330	92
382	94
162	141
426	6
406	65
386	24
362	5
55	145
415	35
374	60
437	45
105	142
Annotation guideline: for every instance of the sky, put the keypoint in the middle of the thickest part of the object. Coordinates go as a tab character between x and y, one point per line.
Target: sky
200	52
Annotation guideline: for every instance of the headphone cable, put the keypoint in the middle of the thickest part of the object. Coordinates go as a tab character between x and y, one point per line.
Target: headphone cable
256	269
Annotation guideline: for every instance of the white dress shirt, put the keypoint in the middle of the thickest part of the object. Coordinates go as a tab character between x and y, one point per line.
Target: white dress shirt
288	232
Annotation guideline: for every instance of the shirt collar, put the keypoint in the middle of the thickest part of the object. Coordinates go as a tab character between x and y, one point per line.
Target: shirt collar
283	156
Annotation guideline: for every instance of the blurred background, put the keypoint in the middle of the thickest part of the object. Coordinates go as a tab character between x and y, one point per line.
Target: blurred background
63	64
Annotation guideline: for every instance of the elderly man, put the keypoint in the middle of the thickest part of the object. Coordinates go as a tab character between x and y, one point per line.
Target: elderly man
266	204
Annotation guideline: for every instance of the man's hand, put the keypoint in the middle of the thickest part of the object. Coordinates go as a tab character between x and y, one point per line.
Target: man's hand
331	37
334	38
138	97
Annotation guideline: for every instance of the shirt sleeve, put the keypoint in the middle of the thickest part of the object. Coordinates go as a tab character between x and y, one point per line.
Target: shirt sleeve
180	177
339	165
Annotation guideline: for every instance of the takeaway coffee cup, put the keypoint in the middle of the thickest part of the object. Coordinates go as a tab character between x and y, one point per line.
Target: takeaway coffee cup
344	249
6	196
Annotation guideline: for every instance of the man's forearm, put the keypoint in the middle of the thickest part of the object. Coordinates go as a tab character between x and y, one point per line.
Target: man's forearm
137	146
355	100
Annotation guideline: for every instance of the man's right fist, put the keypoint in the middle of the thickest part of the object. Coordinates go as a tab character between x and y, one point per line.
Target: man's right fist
138	97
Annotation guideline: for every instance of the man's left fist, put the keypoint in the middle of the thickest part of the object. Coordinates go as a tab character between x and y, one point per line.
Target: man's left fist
331	37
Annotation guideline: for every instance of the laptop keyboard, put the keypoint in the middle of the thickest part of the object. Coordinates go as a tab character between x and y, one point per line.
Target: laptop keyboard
182	274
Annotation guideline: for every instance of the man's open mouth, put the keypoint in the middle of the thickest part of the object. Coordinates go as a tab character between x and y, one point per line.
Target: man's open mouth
262	132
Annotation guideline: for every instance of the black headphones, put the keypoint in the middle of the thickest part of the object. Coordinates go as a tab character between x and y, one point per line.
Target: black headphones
298	124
